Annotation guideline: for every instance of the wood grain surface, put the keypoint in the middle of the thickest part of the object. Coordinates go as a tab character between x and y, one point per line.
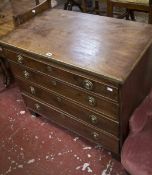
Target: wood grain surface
105	46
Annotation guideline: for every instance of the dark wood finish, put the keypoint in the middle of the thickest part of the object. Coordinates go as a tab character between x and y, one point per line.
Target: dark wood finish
5	72
39	8
72	123
109	58
16	12
54	99
131	7
140	86
101	105
57	56
104	89
22	6
10	19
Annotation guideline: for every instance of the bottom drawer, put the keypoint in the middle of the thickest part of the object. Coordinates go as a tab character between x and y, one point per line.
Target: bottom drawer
54	114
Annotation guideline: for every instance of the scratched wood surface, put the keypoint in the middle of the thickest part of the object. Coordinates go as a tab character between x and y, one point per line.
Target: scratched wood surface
102	45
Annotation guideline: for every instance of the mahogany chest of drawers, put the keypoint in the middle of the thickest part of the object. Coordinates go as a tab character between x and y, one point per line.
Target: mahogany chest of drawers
86	73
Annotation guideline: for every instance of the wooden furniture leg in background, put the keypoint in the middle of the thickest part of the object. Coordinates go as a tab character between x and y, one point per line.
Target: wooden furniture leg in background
37	2
97	7
132	15
21	18
70	3
84	6
109	8
5	73
131	7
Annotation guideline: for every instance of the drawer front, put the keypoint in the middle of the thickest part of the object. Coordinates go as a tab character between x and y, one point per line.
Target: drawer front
69	107
102	105
84	82
69	122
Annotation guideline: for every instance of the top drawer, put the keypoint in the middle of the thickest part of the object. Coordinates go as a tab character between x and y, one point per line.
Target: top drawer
83	81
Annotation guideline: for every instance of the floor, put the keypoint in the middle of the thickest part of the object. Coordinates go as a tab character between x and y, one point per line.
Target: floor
30	145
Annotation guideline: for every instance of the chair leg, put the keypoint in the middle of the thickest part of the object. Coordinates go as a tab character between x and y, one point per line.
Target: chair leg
127	14
5	73
109	8
37	2
132	15
84	6
65	5
68	5
97	7
77	4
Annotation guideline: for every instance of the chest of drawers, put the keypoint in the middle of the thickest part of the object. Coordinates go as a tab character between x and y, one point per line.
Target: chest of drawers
86	73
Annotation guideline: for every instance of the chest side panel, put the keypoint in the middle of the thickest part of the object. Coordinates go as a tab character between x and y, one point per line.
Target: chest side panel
135	90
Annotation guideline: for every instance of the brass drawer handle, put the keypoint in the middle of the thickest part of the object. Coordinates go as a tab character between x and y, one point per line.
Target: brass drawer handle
49	54
95	135
32	89
92	101
33	11
37	107
49	68
87	84
26	74
93	119
20	59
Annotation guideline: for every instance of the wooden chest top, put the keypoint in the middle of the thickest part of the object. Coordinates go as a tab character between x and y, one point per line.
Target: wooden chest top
101	45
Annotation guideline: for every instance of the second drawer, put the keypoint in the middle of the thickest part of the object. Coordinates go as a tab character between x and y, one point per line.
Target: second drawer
90	100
